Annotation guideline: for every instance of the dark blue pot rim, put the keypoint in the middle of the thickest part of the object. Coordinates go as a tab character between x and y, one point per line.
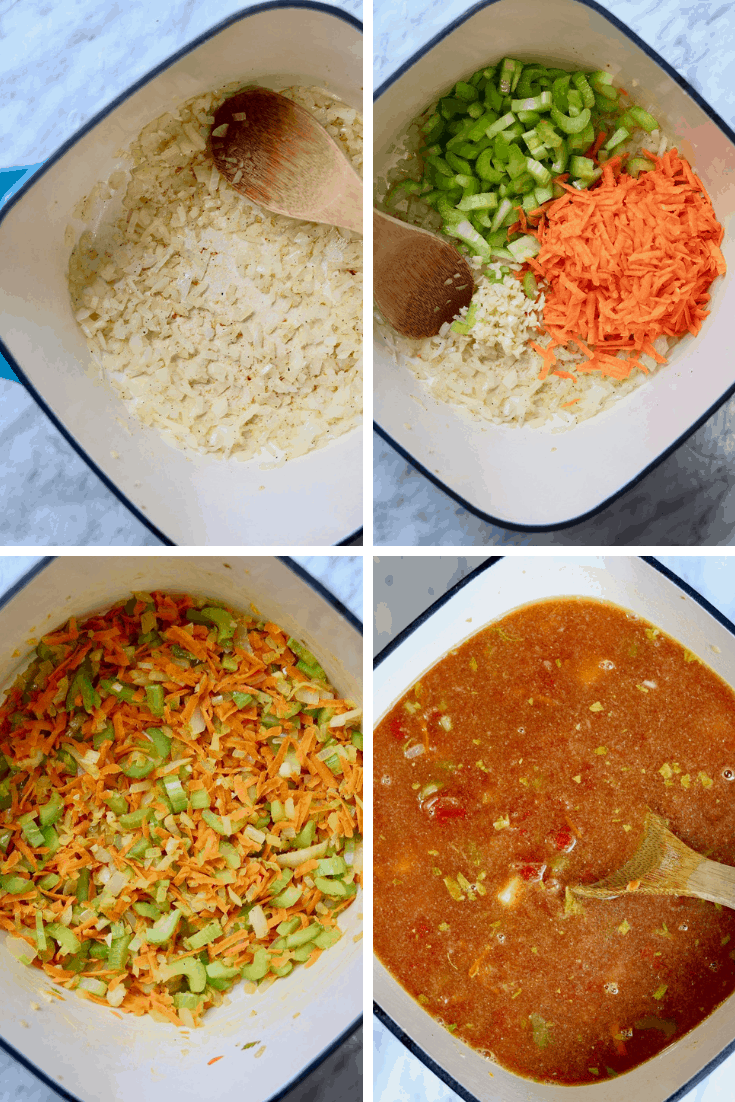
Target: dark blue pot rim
380	657
270	5
726	130
345	613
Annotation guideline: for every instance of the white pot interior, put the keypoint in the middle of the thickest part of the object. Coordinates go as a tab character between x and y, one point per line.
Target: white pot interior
632	584
523	476
193	499
80	1045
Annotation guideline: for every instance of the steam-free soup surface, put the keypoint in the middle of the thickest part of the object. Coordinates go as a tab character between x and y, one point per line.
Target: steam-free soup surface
521	765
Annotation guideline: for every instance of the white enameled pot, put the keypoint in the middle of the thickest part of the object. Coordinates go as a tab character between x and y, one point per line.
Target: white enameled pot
185	498
490	592
532	478
79	1047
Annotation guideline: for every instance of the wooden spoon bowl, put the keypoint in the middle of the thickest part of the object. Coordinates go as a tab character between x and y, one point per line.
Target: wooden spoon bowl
420	280
274	151
664	865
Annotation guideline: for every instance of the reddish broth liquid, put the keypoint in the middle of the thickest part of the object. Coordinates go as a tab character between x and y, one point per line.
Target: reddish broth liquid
566	719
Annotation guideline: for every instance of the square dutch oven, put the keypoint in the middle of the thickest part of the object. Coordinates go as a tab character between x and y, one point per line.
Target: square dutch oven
533	479
74	1045
183	497
488	593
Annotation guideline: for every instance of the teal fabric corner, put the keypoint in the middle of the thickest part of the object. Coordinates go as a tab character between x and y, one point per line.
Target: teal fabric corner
11	179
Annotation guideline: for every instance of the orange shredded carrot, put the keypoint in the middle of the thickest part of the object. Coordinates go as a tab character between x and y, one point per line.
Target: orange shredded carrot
627	261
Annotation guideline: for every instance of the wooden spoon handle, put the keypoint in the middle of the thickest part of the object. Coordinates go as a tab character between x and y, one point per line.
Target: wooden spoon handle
713	881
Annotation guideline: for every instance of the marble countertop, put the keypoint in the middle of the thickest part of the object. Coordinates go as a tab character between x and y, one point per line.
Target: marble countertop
62	62
689	500
339	1077
403	588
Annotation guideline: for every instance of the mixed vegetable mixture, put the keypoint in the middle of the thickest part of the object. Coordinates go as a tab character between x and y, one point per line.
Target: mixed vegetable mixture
531	165
179	806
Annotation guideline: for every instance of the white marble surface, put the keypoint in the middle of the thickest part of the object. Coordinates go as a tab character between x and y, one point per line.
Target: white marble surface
405	587
689	500
339	1077
61	62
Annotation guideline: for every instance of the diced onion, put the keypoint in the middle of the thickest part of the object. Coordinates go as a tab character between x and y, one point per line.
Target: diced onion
339	721
414	751
196	723
258	921
296	857
116	883
19	948
116	997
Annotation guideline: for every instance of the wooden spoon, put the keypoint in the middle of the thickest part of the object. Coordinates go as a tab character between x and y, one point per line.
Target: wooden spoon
420	280
275	152
664	865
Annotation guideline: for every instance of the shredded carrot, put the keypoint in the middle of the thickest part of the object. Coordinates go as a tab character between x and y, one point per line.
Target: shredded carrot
627	261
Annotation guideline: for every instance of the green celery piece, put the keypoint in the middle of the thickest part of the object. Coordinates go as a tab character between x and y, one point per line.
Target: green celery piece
569	124
288	926
68	942
327	938
331	866
305	837
288	898
99	951
135	819
5	835
242	699
229	661
259	966
82	886
119	690
15	885
223	620
203	937
154	697
147	910
161	742
303	952
50	812
48	882
176	794
117	803
219	971
186	1000
30	830
300	937
305	655
335	889
191	967
283	969
215	822
164	928
119	950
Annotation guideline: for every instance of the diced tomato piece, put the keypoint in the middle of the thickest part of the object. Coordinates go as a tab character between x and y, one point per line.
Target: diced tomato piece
444	814
532	871
447	808
563	840
396	728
